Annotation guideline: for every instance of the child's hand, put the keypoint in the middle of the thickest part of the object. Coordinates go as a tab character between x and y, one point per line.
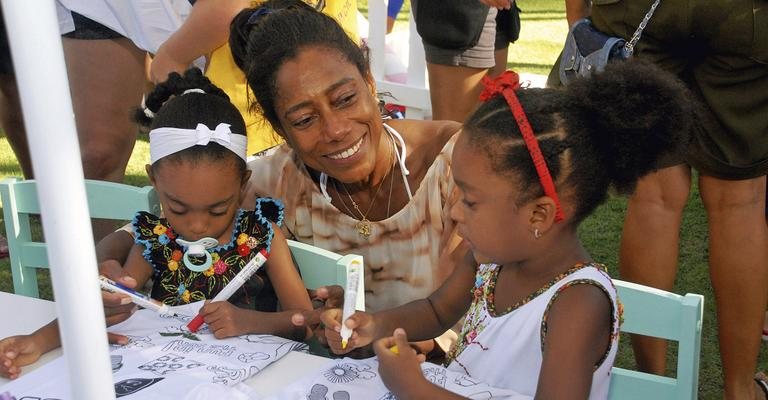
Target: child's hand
399	366
362	326
226	320
117	307
16	352
323	298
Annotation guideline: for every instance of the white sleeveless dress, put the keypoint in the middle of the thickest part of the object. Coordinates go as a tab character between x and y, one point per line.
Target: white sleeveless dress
505	349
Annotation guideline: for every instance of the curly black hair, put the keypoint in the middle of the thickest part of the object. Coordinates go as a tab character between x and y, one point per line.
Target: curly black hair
263	38
168	106
596	133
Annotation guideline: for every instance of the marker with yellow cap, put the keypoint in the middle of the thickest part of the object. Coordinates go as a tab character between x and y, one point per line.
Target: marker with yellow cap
350	297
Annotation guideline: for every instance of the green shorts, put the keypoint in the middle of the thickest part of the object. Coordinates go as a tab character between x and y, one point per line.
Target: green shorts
720	49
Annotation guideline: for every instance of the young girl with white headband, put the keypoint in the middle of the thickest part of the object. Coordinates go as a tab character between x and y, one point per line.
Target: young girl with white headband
203	239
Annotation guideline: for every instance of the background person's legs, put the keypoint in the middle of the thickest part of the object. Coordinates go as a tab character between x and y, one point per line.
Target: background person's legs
738	263
507	32
453	90
107	80
649	246
13	123
455	74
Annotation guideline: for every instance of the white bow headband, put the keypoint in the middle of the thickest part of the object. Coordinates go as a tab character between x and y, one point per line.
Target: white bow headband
166	141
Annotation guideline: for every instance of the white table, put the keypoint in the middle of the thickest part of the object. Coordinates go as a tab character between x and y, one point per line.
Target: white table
22	315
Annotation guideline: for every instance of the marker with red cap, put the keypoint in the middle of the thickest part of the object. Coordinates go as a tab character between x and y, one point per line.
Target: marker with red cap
236	282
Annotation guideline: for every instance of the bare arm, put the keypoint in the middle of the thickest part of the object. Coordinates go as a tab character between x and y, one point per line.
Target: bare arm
401	371
576	10
284	275
137	267
227	320
111	253
114	246
206	28
22	350
430	317
422	319
578	336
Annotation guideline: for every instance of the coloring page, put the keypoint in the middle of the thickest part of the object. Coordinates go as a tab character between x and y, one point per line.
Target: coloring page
163	359
350	379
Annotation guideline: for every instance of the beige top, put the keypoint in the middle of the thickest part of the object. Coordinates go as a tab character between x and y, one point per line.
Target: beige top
401	255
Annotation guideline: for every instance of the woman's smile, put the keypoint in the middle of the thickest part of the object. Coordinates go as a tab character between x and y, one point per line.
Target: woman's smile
351	155
348	152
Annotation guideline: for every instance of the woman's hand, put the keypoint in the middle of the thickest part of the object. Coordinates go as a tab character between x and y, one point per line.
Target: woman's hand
226	319
399	364
19	351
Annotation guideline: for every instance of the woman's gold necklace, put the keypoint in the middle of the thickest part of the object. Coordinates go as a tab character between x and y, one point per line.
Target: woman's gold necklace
363	226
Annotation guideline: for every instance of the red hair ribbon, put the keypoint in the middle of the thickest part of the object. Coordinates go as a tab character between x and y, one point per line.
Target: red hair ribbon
506	84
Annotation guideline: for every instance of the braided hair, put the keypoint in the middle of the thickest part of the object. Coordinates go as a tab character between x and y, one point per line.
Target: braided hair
178	103
598	133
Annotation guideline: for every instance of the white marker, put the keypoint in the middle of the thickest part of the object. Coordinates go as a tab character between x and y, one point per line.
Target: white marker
140	299
350	298
239	280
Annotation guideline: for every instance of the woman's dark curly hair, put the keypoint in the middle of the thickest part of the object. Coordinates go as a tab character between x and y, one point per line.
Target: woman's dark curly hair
172	108
596	133
263	38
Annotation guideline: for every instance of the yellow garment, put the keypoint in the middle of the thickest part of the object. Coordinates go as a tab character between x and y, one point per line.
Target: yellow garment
224	73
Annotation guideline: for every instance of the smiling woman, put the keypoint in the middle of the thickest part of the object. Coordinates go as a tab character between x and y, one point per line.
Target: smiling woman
350	182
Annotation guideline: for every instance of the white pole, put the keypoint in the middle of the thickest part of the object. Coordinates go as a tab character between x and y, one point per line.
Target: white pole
38	60
377	29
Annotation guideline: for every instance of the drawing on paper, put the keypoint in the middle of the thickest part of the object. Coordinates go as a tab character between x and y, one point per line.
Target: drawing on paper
136	342
183	346
162	358
435	375
248	358
117	362
225	375
466	381
283	345
348	372
318	392
170	363
130	386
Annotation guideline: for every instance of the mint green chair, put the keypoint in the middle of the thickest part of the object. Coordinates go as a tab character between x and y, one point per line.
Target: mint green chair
657	313
320	267
106	200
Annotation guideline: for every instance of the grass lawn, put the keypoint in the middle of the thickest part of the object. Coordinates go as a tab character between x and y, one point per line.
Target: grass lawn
543	30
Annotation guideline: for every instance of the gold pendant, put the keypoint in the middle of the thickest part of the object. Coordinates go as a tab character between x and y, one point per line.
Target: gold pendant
364	228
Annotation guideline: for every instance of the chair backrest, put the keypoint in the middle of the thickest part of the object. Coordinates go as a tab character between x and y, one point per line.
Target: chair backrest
657	313
107	200
414	93
320	267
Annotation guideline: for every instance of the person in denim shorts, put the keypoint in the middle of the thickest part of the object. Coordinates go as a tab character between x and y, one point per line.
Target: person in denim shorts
455	73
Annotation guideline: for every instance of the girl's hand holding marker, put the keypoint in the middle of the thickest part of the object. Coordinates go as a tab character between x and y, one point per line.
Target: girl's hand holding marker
139	299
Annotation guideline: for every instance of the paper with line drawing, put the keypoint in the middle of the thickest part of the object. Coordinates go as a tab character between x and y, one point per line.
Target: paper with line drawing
164	360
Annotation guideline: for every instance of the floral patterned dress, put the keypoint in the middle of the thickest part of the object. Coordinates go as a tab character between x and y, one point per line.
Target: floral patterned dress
504	347
175	284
